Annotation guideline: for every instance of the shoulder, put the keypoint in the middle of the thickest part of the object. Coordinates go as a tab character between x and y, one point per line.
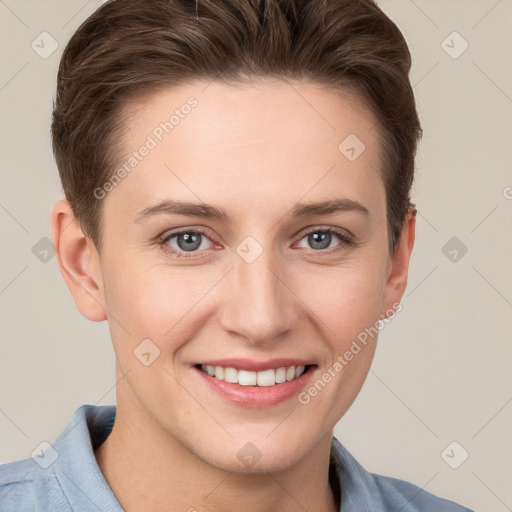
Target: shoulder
26	487
362	490
409	497
64	475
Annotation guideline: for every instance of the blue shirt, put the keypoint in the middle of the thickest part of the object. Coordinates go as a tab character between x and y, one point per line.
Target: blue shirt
65	476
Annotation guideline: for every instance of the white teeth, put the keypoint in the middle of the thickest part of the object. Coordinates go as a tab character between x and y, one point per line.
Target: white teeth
230	375
249	378
280	375
266	378
246	378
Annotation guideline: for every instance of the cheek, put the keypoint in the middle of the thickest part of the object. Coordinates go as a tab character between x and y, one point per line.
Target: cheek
156	302
347	299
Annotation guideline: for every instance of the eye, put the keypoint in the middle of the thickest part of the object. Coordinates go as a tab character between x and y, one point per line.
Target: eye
187	241
321	239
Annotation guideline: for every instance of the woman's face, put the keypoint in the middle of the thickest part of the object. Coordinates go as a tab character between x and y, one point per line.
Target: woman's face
272	283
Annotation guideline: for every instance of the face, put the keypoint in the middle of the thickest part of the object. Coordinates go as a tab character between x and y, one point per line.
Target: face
261	283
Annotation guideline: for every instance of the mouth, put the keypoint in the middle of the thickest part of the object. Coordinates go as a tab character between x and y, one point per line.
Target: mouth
262	378
256	385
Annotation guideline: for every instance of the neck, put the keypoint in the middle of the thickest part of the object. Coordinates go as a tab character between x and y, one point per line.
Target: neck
148	469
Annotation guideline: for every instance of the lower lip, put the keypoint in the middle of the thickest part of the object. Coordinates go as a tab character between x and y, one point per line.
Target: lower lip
256	396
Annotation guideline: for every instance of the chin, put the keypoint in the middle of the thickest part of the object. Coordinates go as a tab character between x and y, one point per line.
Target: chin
259	455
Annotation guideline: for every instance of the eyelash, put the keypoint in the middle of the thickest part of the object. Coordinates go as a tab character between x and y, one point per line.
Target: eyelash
346	241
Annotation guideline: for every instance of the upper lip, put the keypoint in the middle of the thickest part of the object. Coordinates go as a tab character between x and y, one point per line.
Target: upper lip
256	366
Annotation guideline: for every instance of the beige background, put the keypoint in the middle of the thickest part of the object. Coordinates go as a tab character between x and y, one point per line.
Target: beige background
442	368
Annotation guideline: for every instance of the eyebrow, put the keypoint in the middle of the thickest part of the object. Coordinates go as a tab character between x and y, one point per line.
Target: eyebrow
206	211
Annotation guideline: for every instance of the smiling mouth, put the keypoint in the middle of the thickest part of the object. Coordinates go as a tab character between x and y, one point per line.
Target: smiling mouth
264	378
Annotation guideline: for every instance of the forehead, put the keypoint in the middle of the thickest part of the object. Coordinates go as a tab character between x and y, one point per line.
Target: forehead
250	144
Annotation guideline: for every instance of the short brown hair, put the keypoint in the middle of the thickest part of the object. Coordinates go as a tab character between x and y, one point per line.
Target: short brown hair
128	48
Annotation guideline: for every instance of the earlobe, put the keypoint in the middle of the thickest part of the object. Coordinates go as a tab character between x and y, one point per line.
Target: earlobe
78	262
397	279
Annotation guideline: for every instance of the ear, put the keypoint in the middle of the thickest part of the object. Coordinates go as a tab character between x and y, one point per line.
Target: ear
79	262
399	264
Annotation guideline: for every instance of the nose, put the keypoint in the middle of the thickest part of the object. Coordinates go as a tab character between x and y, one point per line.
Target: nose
260	305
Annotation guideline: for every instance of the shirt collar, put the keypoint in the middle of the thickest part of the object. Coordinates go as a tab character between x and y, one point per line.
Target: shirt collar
76	467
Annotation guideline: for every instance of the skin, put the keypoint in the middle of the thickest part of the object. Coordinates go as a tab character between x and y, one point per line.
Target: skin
254	150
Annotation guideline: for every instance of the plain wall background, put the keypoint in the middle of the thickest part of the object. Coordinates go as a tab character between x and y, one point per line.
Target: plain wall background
442	368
